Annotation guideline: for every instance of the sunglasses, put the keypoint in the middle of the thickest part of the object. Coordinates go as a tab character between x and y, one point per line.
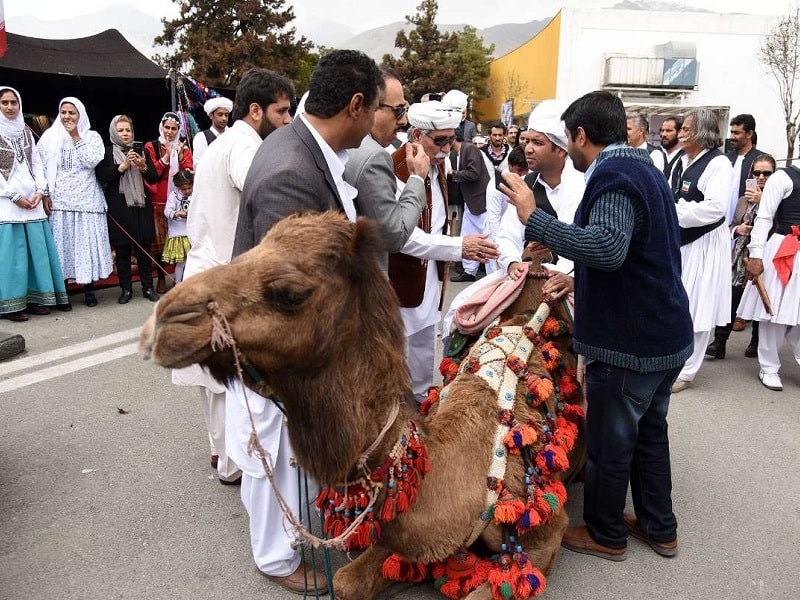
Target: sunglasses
760	173
442	140
398	110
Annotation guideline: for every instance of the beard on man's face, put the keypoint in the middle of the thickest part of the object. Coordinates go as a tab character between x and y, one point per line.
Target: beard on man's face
265	127
669	144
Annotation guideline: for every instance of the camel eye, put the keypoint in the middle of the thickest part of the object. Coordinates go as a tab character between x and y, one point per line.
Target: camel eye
285	300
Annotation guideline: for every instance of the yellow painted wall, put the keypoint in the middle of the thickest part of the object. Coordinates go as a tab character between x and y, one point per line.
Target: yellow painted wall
534	64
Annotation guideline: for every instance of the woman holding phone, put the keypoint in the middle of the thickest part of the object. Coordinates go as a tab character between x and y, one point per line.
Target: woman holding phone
741	225
130	211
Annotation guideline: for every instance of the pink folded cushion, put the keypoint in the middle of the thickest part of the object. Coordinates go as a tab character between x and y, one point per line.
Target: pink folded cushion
488	303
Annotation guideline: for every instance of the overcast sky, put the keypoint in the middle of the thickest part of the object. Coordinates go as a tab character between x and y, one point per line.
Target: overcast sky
360	15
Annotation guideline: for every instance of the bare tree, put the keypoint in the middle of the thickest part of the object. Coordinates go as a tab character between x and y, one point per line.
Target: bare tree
513	86
780	52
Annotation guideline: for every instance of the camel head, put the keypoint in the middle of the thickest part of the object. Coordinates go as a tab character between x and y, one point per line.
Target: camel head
311	289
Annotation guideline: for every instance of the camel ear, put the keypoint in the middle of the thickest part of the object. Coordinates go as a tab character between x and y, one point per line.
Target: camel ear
366	245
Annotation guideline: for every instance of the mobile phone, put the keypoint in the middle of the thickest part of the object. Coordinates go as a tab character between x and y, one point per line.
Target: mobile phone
751	184
138	147
498	178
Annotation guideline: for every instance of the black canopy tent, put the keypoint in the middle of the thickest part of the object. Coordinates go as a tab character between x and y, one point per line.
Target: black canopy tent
104	71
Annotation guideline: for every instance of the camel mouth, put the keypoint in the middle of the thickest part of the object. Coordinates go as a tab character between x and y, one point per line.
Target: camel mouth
154	346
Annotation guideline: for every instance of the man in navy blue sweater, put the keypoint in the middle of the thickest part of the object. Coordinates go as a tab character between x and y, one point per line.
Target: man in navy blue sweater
632	325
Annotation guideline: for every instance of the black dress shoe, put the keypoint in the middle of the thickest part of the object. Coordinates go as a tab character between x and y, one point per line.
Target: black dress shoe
37	309
150	294
17	317
90	299
752	350
462	278
66	307
125	296
716	349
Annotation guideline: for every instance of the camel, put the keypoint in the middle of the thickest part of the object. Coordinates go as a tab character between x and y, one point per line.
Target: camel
311	310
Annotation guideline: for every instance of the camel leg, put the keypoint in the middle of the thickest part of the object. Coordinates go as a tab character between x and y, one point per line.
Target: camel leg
362	579
543	556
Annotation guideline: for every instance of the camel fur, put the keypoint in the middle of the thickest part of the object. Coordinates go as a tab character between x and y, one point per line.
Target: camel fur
312	311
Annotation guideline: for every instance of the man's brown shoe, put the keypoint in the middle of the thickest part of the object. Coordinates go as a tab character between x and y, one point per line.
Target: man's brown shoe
668	549
578	539
302	581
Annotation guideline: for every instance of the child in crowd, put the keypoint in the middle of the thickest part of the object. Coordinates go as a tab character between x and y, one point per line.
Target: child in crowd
177	245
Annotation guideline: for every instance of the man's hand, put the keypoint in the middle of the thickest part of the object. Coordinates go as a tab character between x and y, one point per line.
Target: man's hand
418	162
478	247
754	268
519	195
47	204
558	284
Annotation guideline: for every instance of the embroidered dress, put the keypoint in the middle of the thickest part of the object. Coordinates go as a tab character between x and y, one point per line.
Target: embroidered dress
79	220
177	245
30	272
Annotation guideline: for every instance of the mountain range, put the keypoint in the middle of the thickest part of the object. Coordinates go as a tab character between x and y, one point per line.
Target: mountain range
140	28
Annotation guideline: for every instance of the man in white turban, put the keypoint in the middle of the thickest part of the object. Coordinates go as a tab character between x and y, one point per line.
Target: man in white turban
557	186
458	99
217	109
417	271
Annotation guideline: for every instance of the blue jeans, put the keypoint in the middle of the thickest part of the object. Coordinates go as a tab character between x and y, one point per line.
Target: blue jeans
626	435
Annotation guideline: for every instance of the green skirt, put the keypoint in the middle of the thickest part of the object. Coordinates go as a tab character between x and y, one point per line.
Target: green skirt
175	249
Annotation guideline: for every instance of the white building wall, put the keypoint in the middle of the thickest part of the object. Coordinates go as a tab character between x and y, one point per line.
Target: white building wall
730	72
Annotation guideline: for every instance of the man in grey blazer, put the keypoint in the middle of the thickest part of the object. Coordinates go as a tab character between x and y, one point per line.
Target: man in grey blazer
369	169
299	167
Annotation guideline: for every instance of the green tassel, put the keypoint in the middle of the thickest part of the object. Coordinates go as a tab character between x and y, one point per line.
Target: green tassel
440	582
552	501
506	591
490	512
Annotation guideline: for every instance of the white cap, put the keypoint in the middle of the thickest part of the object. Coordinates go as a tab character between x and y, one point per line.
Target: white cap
546	119
456	99
433	115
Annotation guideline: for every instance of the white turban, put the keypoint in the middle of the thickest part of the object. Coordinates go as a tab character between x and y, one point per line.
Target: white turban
433	115
456	99
546	119
213	104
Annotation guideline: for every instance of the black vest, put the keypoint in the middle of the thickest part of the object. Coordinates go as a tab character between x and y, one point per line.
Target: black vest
688	190
209	135
788	212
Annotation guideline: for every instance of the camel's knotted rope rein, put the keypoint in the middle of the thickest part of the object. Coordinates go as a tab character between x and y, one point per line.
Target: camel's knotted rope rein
221	338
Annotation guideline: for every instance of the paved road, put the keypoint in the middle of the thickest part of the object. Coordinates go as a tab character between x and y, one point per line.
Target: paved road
98	505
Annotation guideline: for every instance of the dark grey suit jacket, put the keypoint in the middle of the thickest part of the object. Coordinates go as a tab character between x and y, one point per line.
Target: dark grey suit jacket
369	169
472	178
288	175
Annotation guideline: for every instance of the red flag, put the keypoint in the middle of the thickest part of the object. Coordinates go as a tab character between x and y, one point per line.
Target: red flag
3	43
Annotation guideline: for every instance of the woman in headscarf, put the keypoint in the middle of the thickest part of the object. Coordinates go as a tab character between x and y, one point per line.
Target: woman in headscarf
71	151
165	156
130	212
30	279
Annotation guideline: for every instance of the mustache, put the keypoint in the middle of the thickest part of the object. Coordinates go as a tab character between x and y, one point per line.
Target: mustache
441	155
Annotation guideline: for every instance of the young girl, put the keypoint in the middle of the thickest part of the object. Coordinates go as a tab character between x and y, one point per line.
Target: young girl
177	245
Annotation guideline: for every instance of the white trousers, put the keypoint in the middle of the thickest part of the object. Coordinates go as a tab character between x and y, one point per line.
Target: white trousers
771	337
271	544
420	358
214	413
694	362
470	225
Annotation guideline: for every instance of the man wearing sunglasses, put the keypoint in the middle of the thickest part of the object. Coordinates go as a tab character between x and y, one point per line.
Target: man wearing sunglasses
417	272
369	169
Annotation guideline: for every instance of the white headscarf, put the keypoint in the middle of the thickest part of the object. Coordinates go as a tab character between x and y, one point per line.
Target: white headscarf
213	104
546	119
12	128
56	137
130	182
433	116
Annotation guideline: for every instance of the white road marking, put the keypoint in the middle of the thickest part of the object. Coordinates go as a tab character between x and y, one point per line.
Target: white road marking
93	345
69	367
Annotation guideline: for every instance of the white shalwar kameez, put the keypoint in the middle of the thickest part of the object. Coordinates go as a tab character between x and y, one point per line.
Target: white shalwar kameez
420	322
706	262
783	326
211	227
